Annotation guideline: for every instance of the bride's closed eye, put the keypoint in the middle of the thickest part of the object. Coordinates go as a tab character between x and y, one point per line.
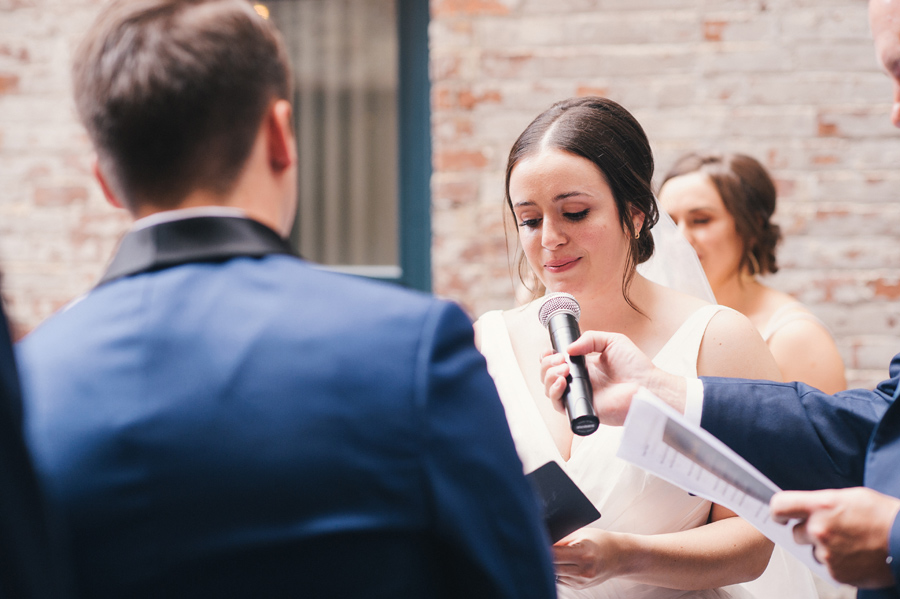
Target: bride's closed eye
576	216
533	223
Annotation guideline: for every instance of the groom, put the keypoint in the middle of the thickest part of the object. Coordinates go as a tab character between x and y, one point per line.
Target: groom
219	419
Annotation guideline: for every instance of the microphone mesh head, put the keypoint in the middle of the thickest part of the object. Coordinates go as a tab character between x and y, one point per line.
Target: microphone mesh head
556	303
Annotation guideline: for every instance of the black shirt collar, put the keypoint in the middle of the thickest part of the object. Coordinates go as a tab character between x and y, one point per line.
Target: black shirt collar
198	239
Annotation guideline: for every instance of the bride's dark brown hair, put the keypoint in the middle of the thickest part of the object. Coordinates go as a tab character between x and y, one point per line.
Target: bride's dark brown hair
603	132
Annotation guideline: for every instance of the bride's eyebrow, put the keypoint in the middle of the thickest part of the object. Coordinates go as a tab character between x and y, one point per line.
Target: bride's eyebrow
559	197
569	194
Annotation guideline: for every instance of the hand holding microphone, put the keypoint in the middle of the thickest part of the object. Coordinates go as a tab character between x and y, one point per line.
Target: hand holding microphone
559	313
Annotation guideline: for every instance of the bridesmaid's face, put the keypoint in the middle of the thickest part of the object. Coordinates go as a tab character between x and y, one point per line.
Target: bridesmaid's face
694	204
568	222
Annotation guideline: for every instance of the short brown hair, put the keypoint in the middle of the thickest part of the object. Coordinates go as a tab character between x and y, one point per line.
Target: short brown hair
172	93
609	136
749	195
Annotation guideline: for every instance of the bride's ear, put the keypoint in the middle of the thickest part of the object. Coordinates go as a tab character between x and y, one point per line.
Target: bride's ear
637	219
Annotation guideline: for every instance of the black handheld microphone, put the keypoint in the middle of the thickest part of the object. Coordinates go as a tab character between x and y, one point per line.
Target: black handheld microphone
560	313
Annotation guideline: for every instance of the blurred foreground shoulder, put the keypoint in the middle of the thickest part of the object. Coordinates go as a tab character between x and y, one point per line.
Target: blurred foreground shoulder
805	351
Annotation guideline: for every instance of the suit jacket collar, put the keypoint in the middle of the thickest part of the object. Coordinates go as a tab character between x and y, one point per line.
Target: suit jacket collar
199	239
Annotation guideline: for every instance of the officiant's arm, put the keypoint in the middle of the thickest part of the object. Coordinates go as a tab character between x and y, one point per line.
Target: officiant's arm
731	347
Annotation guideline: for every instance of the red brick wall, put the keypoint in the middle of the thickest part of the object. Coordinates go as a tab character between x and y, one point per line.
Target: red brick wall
56	230
792	82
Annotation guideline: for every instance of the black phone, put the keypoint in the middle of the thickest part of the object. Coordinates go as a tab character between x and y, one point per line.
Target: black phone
565	507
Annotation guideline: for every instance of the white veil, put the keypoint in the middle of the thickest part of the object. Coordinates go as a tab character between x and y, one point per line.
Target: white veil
674	262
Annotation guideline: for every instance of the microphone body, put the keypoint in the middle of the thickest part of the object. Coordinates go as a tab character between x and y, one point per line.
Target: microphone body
559	313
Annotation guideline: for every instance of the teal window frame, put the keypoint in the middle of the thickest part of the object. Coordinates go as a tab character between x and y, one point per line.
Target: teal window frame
414	137
414	156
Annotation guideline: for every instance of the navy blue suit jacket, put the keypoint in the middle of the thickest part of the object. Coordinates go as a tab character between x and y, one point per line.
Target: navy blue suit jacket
248	425
32	563
805	439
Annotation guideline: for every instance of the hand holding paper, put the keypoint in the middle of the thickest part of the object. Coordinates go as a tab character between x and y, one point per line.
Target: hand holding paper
848	529
660	440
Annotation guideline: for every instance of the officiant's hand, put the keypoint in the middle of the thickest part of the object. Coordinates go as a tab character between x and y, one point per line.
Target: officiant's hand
588	557
848	529
617	368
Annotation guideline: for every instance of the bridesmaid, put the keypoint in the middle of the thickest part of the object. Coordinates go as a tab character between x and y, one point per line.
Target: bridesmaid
723	204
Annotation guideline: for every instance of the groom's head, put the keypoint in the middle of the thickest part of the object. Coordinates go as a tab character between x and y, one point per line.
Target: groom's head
173	93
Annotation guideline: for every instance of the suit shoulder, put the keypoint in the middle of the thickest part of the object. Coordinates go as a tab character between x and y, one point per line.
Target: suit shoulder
362	297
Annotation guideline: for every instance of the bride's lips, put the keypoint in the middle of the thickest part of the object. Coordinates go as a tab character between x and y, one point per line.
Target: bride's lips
561	265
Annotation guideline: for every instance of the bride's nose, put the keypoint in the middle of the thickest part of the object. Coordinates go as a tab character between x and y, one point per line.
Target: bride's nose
552	234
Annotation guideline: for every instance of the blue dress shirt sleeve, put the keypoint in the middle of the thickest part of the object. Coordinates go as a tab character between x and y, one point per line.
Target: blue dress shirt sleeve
800	437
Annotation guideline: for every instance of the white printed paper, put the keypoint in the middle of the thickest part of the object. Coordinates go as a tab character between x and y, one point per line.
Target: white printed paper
661	441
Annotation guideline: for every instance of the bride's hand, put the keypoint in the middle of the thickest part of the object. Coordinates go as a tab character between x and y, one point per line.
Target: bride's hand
589	556
616	367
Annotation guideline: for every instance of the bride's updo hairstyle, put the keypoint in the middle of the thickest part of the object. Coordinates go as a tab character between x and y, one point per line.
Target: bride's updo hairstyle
606	134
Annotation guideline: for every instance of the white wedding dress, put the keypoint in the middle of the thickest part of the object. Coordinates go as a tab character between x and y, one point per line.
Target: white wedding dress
629	499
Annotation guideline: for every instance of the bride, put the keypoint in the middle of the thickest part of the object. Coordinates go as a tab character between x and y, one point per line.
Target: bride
578	183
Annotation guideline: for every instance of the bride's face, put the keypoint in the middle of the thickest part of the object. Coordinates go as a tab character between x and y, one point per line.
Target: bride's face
695	205
568	223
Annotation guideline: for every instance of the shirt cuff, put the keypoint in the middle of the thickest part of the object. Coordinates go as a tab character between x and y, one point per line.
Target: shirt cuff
693	403
894	550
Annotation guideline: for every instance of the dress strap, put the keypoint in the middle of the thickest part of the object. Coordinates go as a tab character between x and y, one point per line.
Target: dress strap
680	352
493	336
787	314
533	441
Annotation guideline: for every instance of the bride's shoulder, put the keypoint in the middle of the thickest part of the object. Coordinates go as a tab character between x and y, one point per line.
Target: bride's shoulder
731	325
732	346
